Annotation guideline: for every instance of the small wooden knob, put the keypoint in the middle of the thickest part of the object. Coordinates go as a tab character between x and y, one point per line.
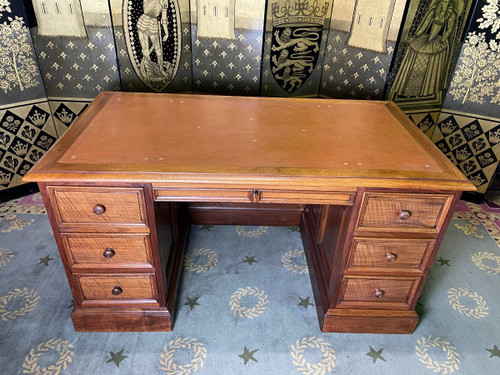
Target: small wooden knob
109	253
117	290
379	293
404	214
99	209
391	257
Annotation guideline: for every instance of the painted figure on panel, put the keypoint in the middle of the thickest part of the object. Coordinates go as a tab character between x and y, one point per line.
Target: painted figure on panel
152	40
296	39
423	71
150	29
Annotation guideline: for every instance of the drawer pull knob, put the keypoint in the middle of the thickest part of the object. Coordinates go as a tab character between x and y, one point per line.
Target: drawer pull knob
109	253
404	214
117	291
255	193
99	209
391	257
379	293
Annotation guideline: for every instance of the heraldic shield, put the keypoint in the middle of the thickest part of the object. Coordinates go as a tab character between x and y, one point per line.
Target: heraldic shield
152	33
296	40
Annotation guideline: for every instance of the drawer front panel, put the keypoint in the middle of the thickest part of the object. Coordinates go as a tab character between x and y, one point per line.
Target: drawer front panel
109	249
388	254
117	287
403	212
99	205
318	197
377	290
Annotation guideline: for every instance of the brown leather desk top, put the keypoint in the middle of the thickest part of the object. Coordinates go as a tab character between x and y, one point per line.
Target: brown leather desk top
167	138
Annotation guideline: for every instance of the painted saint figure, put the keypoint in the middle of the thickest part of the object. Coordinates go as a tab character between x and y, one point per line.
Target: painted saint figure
152	24
423	71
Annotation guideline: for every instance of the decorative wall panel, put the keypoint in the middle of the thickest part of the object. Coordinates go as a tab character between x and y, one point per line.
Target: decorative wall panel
425	59
153	43
469	129
20	78
401	50
76	65
227	46
294	49
361	44
475	84
26	126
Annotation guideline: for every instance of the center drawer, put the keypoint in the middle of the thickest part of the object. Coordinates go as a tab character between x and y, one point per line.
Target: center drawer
109	250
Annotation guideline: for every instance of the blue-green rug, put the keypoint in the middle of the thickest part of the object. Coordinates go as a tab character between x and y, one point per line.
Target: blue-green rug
246	307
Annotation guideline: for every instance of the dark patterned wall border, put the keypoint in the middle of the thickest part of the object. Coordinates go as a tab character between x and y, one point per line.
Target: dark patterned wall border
26	132
472	143
426	121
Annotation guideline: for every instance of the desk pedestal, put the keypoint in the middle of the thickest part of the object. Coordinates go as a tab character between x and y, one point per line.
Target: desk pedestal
369	261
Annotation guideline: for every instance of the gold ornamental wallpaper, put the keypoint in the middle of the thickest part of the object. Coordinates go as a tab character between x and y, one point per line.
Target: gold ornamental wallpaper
437	59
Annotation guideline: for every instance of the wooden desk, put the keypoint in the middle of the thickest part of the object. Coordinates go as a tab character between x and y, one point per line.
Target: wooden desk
372	195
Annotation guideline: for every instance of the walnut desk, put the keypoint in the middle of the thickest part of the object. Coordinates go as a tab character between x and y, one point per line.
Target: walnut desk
372	196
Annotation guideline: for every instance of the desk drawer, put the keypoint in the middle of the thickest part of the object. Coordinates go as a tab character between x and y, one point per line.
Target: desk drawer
202	195
109	250
381	254
306	197
400	212
377	290
82	205
118	287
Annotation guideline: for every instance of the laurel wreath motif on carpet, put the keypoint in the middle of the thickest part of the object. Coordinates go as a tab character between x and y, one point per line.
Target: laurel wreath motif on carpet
454	295
5	256
211	260
248	312
447	367
167	360
478	259
325	365
241	231
288	261
63	347
30	296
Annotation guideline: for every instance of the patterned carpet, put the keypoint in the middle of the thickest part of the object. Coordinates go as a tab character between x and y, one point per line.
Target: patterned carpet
246	307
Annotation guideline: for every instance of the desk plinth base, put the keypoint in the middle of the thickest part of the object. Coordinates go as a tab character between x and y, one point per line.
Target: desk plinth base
369	321
98	320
